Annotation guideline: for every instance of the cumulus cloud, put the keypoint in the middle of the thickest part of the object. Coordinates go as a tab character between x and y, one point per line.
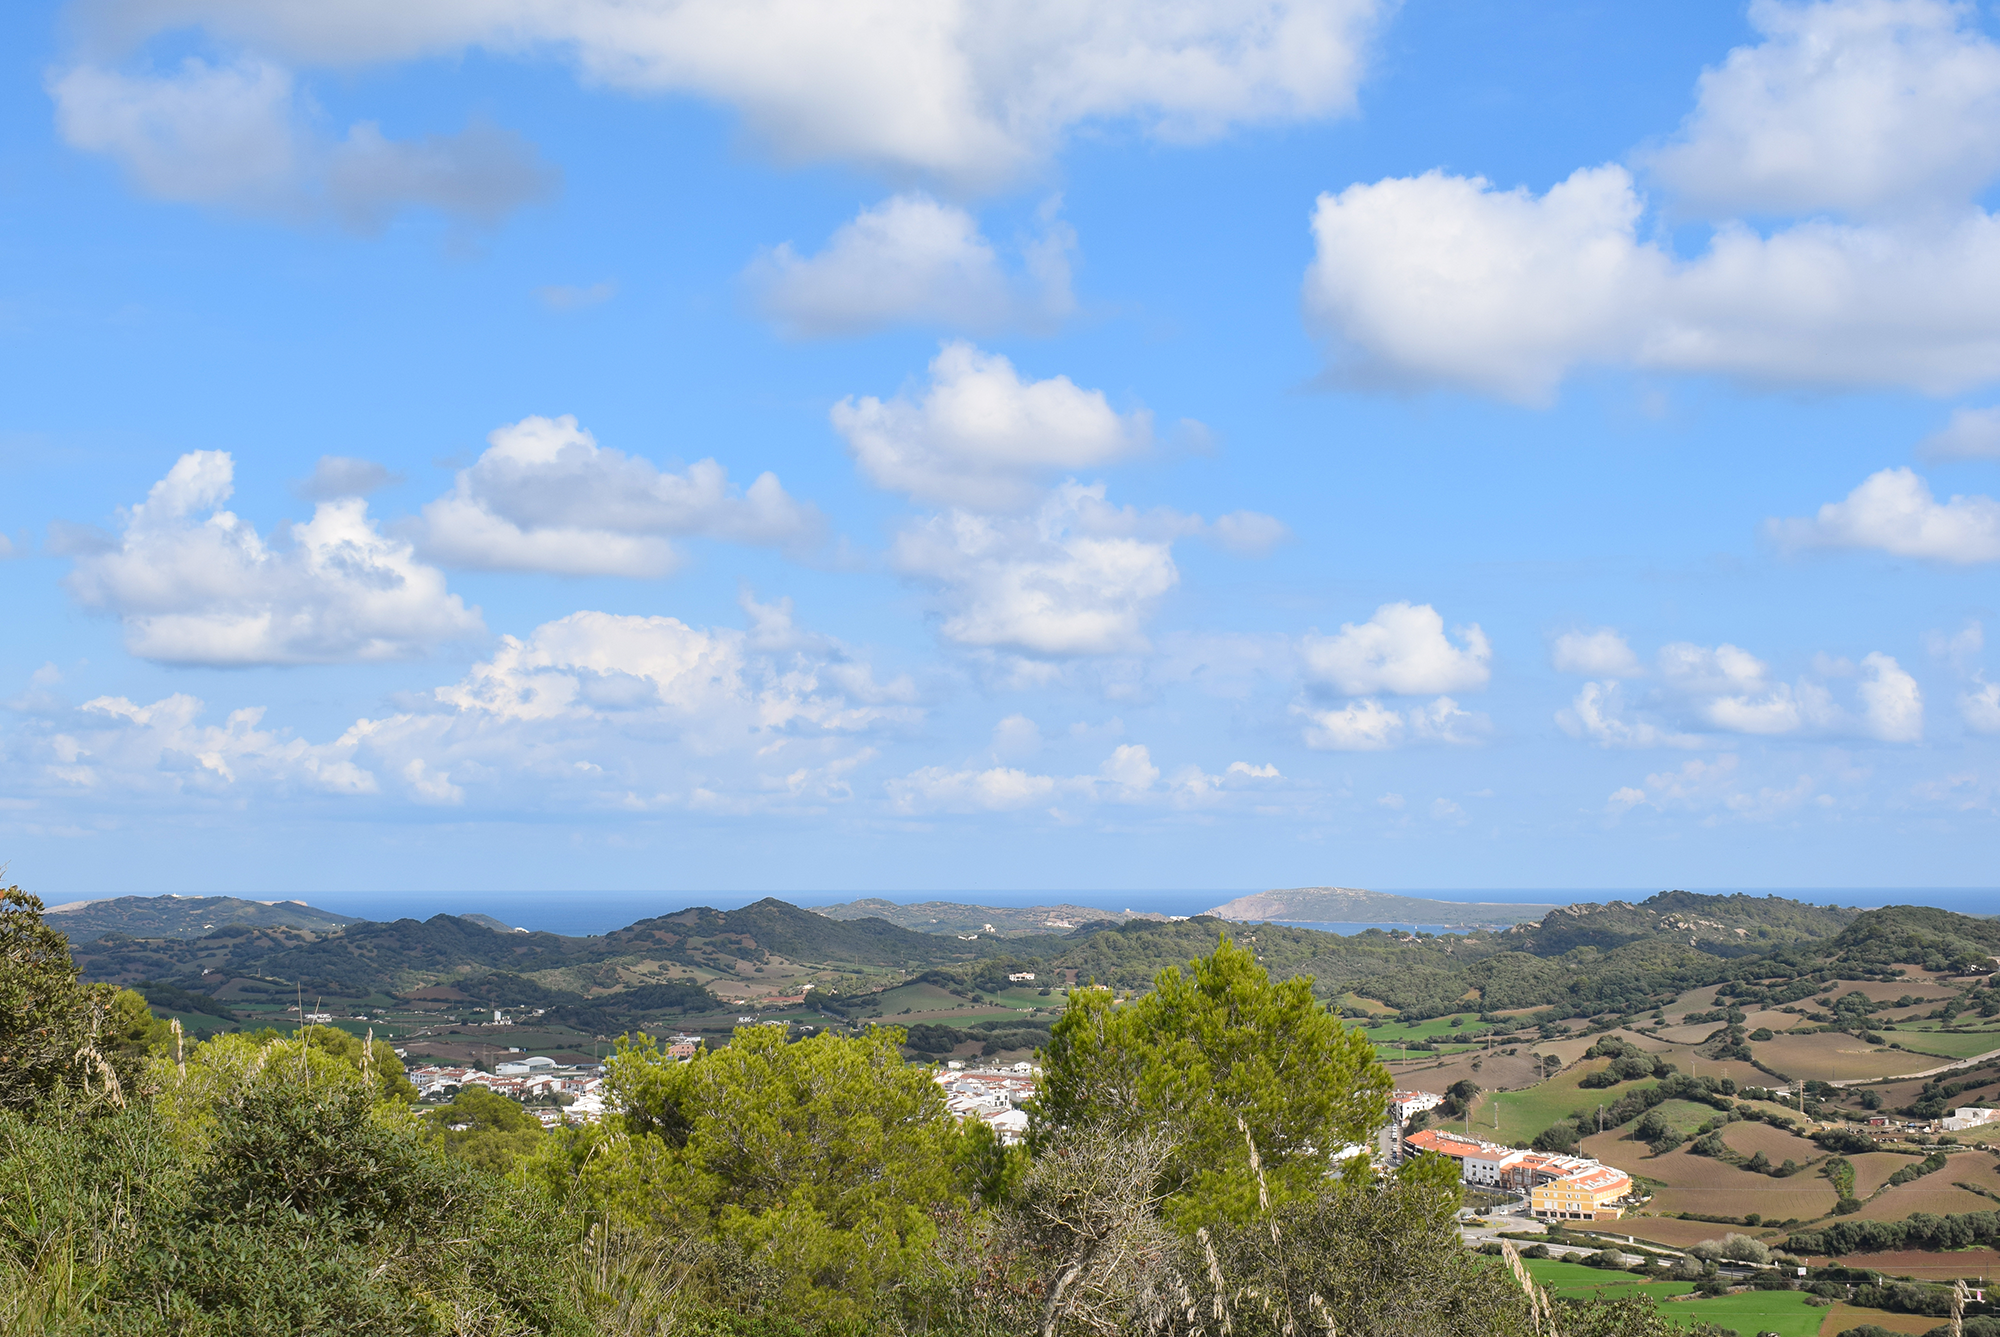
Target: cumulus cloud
1599	714
1726	689
1895	512
911	260
1445	280
1370	726
1855	106
337	476
194	584
1870	124
111	746
1980	707
1719	790
1128	776
594	711
235	136
1402	650
1602	653
1077	577
971	94
544	496
1972	434
980	436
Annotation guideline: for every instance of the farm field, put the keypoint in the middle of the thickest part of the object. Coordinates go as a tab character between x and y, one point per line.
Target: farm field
1783	1312
1776	1143
1932	1193
1947	1044
1496	1072
1873	1168
1577	1281
1844	1316
1673	1232
1698	1184
1926	1265
1522	1114
1832	1057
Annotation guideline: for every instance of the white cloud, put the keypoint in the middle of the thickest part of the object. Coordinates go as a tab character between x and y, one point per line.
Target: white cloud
1980	706
110	746
1598	714
1717	789
1017	736
1130	766
1443	280
912	260
1444	810
1892	705
1128	776
233	135
546	497
1403	650
1369	726
593	711
1894	511
1078	577
1972	434
972	94
1249	533
194	584
1602	653
1001	789
1727	689
1856	106
337	476
981	437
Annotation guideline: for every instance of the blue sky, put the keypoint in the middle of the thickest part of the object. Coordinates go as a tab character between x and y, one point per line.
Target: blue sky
723	446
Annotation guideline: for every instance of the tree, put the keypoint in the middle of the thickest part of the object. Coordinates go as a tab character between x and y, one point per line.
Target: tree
485	1128
56	1032
1221	1060
822	1161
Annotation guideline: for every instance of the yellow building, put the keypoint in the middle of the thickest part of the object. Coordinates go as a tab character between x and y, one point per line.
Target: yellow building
1588	1195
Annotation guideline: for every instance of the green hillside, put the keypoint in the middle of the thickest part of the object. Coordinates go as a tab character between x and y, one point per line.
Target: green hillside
183	916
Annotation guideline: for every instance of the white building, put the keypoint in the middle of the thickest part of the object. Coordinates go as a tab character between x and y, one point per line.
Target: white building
1970	1116
1403	1104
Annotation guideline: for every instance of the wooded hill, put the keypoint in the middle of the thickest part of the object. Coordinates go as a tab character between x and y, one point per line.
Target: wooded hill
1578	961
184	916
597	984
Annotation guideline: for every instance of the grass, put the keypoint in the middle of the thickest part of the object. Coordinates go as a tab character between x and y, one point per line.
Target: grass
1527	1112
1946	1044
1782	1312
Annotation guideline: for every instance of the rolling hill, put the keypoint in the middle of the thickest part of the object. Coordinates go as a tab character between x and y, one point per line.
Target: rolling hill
183	916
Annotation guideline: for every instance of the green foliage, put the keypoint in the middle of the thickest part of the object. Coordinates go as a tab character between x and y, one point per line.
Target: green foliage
484	1128
823	1159
57	1034
1223	1061
308	1213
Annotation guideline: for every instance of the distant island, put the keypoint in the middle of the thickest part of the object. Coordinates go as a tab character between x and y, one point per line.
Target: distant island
993	920
1352	905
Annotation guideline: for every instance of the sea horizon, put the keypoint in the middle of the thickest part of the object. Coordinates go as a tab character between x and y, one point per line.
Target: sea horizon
580	913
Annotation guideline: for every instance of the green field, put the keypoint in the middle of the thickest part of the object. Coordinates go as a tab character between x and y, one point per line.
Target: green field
1946	1044
1436	1028
1524	1113
1782	1312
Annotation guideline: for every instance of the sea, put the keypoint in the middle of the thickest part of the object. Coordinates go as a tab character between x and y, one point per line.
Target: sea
579	913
